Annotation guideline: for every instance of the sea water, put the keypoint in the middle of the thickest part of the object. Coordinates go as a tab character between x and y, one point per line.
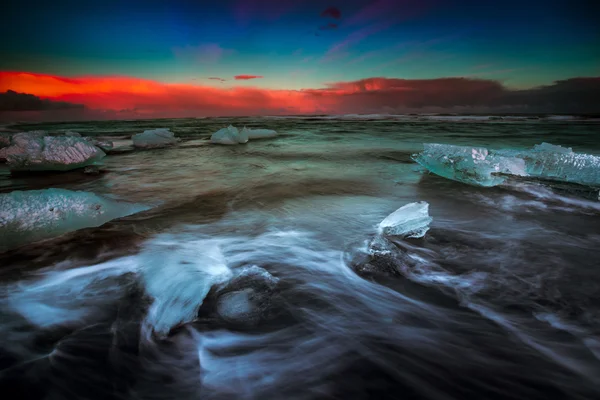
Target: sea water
499	300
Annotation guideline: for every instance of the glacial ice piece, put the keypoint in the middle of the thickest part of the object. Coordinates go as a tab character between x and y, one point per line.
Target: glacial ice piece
559	163
472	165
178	275
409	221
32	151
483	167
72	134
29	216
230	135
254	134
154	138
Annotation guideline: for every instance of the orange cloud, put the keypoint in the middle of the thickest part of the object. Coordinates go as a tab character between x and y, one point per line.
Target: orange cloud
246	77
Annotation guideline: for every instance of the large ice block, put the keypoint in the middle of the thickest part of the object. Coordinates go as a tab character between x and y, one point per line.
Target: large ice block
559	163
409	221
472	165
29	216
230	135
154	138
32	151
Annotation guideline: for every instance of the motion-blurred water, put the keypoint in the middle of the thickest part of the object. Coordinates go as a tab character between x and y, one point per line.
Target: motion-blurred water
500	299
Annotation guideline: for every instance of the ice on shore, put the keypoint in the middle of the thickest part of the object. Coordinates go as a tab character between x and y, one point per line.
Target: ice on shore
473	165
154	138
483	167
559	163
409	221
230	135
178	275
254	134
32	151
29	216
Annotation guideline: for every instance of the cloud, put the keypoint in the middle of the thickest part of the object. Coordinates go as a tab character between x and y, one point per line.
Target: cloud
209	53
328	27
246	77
126	97
216	78
13	101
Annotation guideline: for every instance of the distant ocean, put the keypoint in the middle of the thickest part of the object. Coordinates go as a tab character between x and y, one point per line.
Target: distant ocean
499	300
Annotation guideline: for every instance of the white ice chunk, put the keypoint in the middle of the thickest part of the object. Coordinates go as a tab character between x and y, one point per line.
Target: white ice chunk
254	134
29	216
178	275
154	138
230	135
31	151
72	134
410	221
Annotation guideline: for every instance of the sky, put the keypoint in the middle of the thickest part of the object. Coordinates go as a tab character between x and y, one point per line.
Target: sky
130	58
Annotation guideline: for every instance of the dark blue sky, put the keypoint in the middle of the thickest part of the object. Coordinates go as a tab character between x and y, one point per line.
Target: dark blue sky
522	43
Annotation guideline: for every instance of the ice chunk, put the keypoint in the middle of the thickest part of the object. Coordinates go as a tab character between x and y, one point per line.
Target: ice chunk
154	138
230	135
29	216
480	166
410	221
559	163
32	151
253	134
178	275
473	165
72	134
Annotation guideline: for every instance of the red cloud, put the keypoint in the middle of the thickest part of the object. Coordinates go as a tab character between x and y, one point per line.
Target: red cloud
126	97
246	77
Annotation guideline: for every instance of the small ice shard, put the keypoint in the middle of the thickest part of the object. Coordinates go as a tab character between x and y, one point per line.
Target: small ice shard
104	145
409	221
472	165
154	138
230	135
178	275
72	134
32	151
29	216
254	134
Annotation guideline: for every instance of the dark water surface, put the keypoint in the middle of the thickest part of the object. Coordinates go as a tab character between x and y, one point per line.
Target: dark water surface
500	299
